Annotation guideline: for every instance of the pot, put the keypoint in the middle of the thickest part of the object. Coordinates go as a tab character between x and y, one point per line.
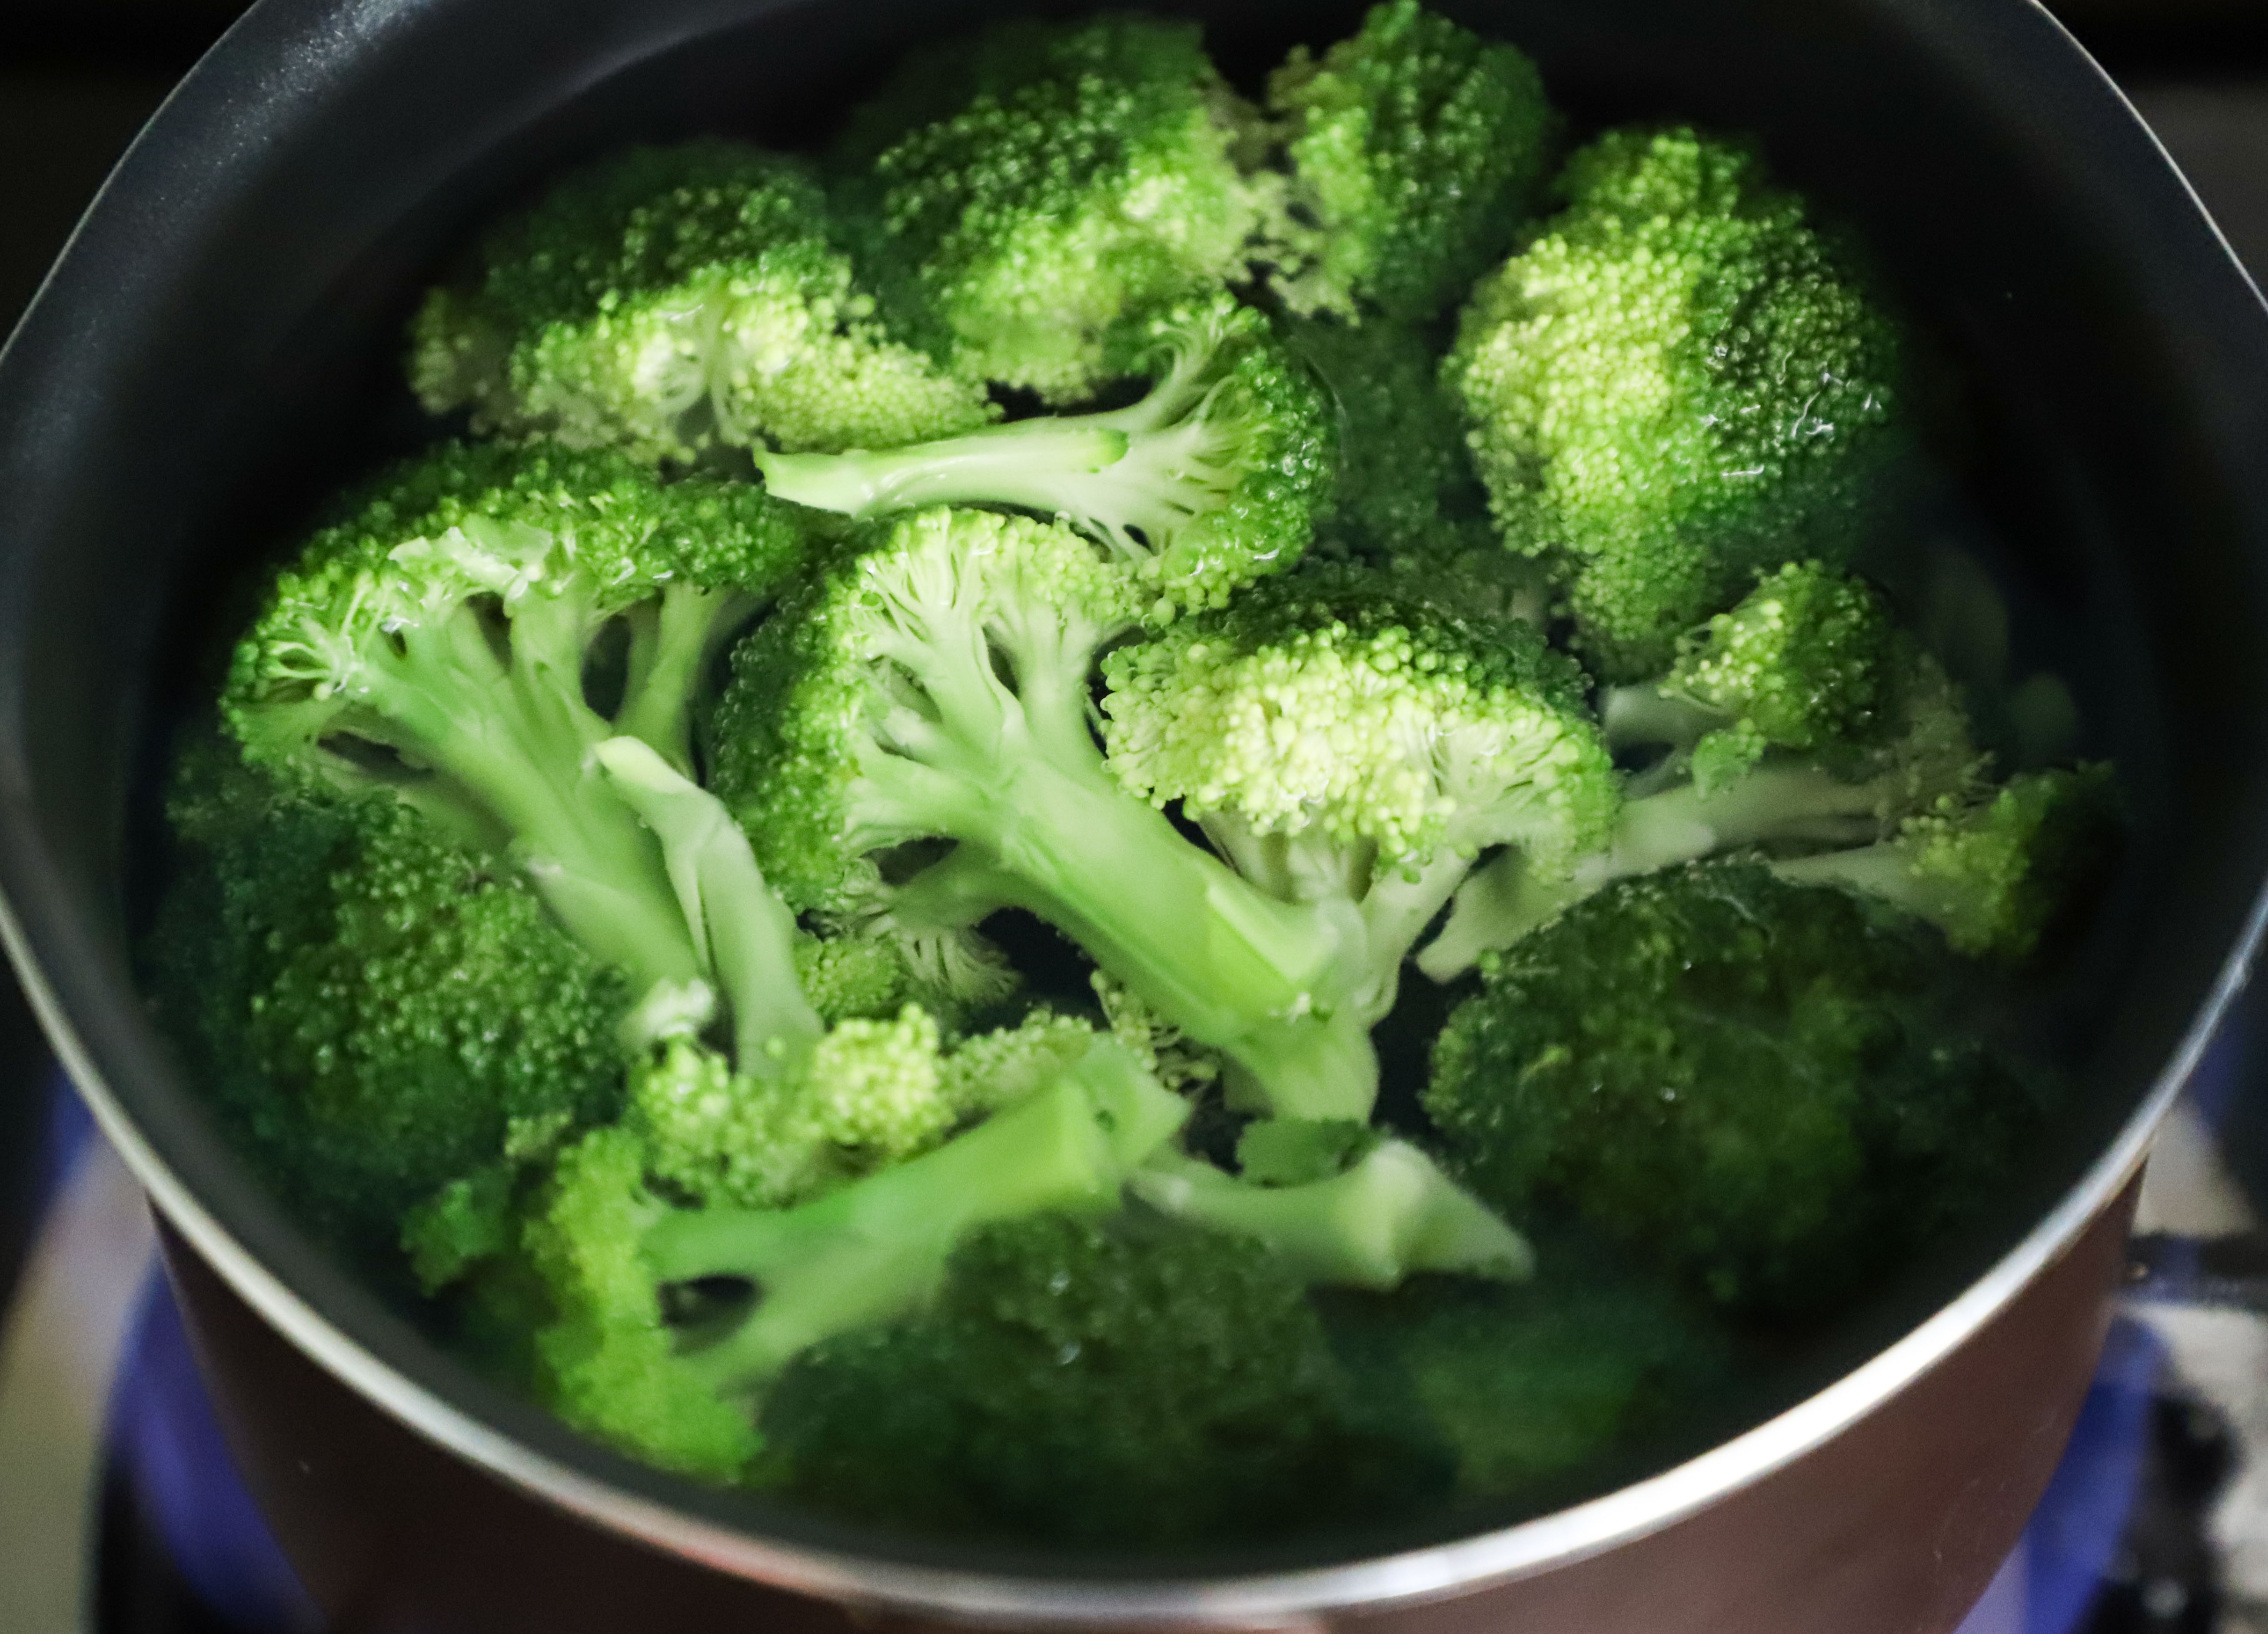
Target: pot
219	348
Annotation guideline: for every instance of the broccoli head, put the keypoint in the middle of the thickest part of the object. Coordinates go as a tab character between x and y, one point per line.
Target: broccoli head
1341	740
1676	382
1412	151
1750	1081
673	298
1108	1384
1526	1386
1213	478
1019	196
437	642
378	1009
1995	871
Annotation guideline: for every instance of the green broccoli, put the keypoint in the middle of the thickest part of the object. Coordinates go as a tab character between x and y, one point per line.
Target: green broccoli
1405	476
617	1260
1993	872
1412	151
1810	660
1771	1100
438	641
1341	742
1800	719
1105	1384
1527	1386
934	685
378	1009
1676	382
1017	197
668	299
1213	479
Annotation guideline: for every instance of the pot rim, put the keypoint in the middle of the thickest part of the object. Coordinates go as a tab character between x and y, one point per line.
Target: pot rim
1276	1599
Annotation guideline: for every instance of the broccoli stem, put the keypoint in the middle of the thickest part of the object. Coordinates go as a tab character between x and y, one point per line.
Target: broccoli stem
1883	870
1505	900
1644	714
1011	465
745	929
518	744
672	643
1269	984
877	1247
1391	1216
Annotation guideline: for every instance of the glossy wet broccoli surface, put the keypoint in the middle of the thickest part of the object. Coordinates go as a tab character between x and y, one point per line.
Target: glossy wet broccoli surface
1133	815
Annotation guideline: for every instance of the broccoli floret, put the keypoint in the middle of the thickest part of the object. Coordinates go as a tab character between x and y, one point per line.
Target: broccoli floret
673	298
1994	872
935	687
1748	1080
1810	660
1412	151
437	642
1213	479
1676	382
1886	744
617	1261
1526	1386
379	1010
1099	1384
1339	741
1022	194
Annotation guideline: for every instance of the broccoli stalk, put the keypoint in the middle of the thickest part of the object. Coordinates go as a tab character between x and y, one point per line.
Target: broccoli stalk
1389	1216
1212	478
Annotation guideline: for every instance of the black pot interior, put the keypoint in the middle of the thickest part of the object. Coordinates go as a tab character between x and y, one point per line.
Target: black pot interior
219	350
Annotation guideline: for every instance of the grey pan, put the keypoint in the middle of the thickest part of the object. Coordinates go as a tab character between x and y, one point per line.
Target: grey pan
217	348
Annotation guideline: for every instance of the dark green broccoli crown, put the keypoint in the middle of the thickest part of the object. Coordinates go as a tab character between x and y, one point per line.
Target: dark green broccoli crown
1327	698
1414	148
670	297
1108	1385
1742	1078
1025	191
382	1010
1405	477
1676	382
1526	1383
647	221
